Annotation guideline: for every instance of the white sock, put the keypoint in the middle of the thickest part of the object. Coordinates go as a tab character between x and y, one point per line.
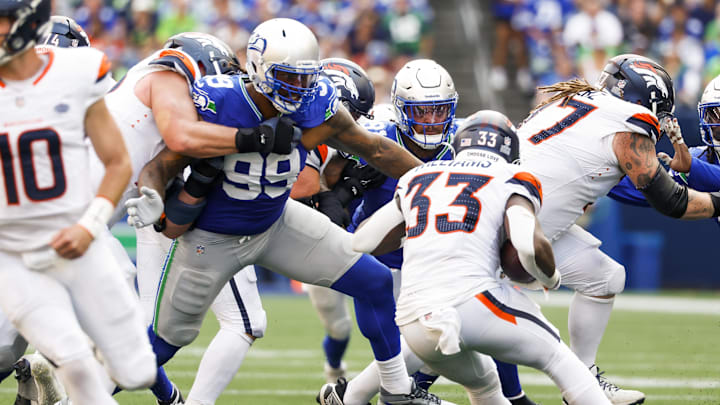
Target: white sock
394	376
577	385
363	387
218	366
587	319
82	382
480	396
366	385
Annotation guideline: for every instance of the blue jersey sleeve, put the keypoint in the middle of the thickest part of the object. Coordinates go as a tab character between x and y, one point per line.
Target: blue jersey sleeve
321	109
703	176
222	99
626	193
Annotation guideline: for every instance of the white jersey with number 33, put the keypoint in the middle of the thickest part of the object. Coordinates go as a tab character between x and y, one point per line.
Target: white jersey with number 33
454	213
43	150
568	146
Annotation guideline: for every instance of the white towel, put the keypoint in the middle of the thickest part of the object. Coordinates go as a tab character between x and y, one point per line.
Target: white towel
446	322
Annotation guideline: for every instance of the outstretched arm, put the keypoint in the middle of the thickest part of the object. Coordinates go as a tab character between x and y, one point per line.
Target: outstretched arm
342	132
636	156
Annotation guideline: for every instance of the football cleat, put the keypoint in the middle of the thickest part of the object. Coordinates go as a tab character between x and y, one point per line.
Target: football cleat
332	374
332	393
417	396
37	383
175	399
523	400
615	394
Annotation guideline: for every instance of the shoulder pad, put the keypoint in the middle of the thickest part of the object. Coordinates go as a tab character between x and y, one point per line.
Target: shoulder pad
180	62
644	123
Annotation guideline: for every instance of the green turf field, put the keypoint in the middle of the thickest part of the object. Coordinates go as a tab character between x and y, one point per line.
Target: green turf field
673	357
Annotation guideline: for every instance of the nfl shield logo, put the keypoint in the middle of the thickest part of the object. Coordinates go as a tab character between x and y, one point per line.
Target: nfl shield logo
200	250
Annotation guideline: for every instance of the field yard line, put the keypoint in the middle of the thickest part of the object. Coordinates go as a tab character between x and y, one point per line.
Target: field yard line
637	382
640	303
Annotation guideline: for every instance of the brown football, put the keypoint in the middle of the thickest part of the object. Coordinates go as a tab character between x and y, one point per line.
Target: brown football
510	263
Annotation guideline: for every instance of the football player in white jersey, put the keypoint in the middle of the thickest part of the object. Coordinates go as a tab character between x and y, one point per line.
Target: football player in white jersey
453	309
58	285
153	107
580	144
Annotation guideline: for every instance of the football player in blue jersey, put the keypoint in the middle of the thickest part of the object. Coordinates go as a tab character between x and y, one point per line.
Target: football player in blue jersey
245	216
424	99
697	167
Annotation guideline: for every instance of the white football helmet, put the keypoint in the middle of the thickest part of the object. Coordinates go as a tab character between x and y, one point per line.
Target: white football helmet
709	113
283	62
425	99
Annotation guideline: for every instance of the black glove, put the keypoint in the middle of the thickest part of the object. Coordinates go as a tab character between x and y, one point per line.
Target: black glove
203	173
259	139
328	203
355	178
287	136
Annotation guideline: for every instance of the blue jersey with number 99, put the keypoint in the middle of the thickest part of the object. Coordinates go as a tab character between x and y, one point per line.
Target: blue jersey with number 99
256	186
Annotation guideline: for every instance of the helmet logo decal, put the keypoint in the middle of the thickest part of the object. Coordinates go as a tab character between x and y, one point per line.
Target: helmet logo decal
257	43
651	76
340	78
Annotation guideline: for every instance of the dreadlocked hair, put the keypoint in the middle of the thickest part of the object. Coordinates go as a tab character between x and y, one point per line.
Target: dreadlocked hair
565	90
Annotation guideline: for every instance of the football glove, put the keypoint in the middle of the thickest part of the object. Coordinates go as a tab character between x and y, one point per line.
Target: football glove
328	203
144	210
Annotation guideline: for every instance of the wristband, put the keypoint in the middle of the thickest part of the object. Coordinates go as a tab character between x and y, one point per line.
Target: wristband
97	215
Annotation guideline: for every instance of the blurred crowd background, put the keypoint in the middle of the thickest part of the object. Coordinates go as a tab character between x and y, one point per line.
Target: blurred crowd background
500	49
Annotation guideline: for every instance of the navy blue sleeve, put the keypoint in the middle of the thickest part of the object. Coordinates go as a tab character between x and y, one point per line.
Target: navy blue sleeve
220	99
626	193
321	109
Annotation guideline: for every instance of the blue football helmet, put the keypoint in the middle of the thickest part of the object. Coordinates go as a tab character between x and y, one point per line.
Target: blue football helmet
30	19
355	90
283	63
425	100
64	32
639	80
213	56
709	113
487	131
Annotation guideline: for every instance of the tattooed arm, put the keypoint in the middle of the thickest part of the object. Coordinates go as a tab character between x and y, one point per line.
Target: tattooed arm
158	172
342	132
636	156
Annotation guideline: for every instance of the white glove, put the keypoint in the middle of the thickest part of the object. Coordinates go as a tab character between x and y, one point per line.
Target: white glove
144	210
670	126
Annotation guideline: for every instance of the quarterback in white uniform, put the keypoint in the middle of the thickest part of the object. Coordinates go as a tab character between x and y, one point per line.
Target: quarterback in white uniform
453	309
580	144
57	284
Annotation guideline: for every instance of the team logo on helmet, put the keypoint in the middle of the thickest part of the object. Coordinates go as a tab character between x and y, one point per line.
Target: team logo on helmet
257	43
648	72
340	78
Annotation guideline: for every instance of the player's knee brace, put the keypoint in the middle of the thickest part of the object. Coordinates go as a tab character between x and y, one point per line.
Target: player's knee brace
190	300
616	280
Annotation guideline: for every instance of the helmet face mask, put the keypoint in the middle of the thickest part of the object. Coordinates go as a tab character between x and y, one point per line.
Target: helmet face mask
709	114
283	64
29	19
425	100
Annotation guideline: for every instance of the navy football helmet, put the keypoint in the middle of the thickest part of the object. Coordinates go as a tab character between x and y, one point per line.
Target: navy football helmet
355	90
213	56
487	131
30	18
64	32
639	80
